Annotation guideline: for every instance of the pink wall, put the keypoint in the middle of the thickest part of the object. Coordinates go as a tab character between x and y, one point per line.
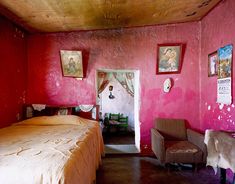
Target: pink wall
13	77
217	30
134	48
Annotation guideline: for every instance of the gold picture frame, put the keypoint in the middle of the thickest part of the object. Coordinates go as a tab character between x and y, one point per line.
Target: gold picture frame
71	62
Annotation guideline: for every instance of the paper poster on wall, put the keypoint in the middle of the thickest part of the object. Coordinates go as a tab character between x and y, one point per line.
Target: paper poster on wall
224	82
224	95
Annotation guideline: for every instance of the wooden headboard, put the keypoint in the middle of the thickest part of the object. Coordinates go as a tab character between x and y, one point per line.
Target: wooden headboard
50	110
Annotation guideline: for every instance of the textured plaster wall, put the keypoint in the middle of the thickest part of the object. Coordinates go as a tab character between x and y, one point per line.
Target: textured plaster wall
13	68
123	102
134	48
217	30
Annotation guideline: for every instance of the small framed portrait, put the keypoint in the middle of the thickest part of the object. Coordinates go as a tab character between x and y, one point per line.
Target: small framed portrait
71	62
169	58
213	63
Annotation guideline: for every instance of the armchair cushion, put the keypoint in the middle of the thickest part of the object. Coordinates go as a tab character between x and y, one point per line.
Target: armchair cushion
182	152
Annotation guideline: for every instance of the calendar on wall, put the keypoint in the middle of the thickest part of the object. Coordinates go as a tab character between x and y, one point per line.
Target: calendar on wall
224	82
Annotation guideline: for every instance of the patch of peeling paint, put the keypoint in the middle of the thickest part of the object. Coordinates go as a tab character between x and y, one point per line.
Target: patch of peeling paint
57	84
221	106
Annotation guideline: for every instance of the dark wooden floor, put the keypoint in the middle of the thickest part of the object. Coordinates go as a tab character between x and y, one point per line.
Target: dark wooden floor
146	170
119	138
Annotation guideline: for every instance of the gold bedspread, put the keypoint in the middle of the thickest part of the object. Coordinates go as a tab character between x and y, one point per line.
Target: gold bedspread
50	150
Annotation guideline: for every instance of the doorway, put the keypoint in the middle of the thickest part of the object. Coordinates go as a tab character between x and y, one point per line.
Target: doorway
118	97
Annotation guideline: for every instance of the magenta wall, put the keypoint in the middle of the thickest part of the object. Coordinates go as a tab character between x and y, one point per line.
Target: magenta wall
217	30
134	48
13	67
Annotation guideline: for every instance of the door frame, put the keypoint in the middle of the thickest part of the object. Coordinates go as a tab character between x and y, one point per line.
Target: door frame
136	99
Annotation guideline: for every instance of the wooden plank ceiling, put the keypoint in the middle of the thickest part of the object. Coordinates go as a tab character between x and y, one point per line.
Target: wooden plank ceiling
71	15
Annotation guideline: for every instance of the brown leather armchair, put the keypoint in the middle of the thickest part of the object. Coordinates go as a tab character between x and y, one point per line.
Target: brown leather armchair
172	143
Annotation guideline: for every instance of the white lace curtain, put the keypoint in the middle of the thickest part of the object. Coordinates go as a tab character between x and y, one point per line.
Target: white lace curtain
126	79
103	81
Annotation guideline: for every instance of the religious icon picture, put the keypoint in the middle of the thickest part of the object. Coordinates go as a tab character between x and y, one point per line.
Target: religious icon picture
213	64
169	58
225	61
71	62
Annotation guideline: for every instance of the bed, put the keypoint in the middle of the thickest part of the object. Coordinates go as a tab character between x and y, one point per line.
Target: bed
60	149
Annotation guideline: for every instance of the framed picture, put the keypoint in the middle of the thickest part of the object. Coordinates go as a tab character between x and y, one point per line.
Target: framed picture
225	55
71	62
169	58
213	63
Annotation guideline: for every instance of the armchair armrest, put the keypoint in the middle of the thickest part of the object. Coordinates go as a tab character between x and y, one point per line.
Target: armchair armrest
158	147
197	139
